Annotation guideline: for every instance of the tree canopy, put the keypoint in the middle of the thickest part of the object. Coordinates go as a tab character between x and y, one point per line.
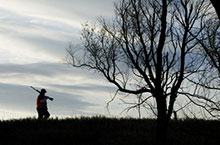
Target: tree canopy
153	48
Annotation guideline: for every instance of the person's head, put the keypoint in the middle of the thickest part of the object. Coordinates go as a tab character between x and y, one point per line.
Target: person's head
43	91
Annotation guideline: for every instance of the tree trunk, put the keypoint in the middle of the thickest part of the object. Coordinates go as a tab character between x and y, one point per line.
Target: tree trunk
161	132
162	122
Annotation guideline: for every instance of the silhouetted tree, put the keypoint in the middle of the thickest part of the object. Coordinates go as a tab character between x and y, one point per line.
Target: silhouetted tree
209	78
148	49
210	38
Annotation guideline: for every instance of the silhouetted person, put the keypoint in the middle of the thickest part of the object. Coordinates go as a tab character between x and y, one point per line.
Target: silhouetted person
42	105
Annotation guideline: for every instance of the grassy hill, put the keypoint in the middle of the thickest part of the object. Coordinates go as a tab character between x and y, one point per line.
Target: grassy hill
105	131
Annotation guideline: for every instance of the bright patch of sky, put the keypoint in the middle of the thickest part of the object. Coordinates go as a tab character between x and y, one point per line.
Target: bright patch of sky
33	37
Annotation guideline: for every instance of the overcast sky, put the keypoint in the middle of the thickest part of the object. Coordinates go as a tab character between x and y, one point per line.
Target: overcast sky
33	37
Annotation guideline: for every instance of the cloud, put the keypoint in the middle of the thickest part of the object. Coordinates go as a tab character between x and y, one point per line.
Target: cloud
40	30
33	38
72	12
76	91
60	77
23	99
46	69
26	41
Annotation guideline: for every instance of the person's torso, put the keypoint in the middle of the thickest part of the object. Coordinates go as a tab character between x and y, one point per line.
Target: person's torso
39	103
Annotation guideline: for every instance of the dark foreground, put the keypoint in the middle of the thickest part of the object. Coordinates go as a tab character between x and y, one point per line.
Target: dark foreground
104	131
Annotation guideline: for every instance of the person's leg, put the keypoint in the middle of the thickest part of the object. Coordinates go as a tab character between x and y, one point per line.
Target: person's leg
46	114
40	113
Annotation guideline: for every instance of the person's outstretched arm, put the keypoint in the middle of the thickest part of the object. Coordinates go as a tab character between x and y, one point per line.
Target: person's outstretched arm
47	97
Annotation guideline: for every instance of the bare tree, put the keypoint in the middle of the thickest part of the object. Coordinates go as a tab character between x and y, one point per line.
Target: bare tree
147	49
207	81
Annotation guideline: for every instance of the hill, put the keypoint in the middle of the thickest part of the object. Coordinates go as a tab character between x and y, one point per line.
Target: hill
105	131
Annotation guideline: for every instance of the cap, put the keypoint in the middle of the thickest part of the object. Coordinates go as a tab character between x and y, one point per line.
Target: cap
43	91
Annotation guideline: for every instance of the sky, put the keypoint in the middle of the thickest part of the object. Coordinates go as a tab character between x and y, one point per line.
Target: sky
34	35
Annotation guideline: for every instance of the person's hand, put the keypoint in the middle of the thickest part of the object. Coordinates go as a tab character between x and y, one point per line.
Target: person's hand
51	99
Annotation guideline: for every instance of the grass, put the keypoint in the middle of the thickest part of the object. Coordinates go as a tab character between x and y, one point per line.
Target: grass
105	131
